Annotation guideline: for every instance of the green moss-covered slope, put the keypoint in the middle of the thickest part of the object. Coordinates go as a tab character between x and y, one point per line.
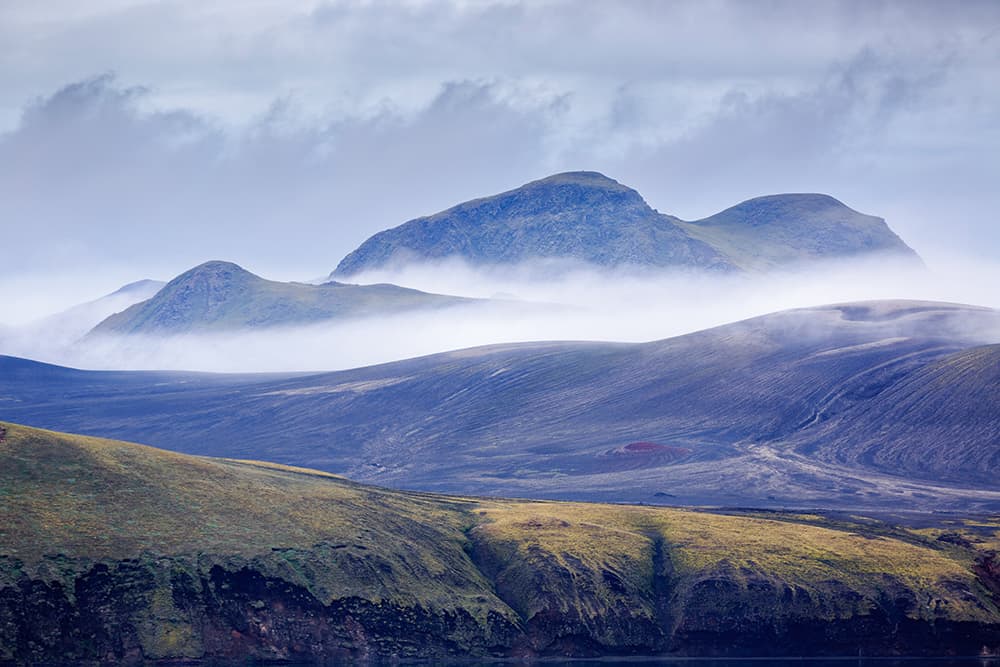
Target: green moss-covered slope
114	551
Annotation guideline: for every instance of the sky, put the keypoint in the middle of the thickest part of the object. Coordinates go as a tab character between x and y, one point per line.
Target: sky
138	139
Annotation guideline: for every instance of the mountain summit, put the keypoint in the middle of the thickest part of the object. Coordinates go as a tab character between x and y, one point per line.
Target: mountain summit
769	231
584	216
221	295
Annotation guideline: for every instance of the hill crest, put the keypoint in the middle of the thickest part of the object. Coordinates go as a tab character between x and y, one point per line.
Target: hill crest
219	296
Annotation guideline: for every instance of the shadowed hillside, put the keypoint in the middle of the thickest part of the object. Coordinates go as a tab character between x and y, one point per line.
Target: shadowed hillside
813	407
948	410
112	551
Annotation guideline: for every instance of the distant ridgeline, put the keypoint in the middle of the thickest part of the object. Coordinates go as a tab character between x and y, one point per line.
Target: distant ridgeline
563	220
217	296
587	217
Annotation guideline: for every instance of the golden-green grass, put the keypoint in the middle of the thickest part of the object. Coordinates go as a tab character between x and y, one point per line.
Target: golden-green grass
982	534
102	499
809	558
83	497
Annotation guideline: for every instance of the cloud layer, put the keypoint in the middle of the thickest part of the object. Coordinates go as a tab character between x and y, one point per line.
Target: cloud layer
587	304
281	134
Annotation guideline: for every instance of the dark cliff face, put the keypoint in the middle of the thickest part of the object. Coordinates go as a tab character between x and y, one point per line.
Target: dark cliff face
214	608
203	607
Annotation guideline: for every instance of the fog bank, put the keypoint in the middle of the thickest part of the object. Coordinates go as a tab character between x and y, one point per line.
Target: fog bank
530	304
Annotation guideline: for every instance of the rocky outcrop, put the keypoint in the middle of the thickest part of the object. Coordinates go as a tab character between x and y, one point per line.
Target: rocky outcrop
987	569
210	607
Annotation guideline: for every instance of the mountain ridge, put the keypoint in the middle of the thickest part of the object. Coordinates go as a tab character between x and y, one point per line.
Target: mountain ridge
530	222
590	218
219	295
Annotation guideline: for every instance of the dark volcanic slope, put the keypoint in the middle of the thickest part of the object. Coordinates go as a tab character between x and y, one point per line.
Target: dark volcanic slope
222	295
116	553
588	217
945	411
738	414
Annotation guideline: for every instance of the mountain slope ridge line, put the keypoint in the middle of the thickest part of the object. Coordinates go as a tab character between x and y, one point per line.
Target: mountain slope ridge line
588	218
223	296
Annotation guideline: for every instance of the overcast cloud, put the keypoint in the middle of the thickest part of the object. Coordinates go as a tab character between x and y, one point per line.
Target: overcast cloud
140	138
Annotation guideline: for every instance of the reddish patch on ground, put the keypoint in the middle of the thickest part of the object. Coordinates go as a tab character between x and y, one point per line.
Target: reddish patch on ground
644	447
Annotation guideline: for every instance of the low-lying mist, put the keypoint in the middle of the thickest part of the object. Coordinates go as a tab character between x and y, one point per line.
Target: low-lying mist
529	303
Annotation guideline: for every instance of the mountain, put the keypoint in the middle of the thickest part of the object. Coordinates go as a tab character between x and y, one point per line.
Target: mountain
140	289
218	296
855	405
588	217
777	230
581	216
83	317
78	320
63	329
112	552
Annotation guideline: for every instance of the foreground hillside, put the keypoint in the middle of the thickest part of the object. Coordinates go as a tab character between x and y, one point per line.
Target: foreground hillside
114	551
587	217
855	405
218	296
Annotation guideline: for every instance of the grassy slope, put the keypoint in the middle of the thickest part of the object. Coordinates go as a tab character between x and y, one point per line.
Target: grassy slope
814	561
101	499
